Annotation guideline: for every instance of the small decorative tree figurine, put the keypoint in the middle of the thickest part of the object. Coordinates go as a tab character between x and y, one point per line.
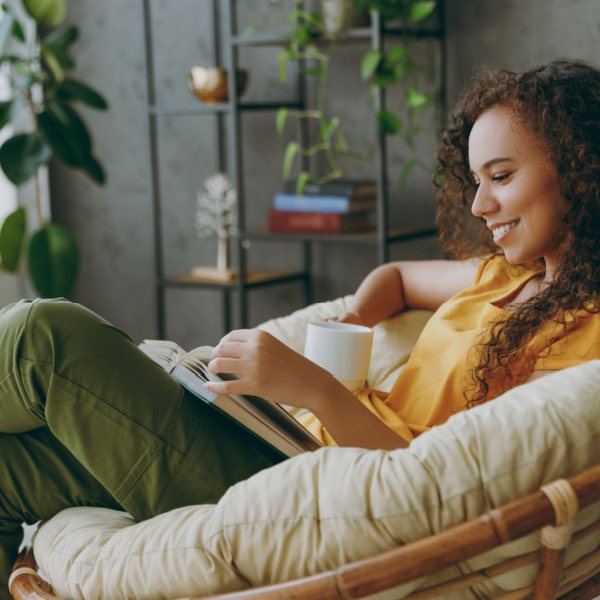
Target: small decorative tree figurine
216	216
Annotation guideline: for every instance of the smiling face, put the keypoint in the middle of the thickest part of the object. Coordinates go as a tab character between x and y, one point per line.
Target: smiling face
518	194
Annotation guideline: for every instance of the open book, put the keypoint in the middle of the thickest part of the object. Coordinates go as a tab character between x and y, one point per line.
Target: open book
269	421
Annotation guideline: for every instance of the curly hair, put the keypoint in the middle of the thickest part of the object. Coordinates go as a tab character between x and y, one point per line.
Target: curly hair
559	102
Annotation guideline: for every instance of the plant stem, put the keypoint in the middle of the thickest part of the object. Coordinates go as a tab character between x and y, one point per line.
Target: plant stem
321	106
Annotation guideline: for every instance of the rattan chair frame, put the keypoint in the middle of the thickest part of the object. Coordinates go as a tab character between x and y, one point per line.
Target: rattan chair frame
433	554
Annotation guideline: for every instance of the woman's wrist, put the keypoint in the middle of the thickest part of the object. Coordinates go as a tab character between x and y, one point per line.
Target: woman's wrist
330	396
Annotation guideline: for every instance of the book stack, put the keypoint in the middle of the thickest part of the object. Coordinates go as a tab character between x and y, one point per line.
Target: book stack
340	206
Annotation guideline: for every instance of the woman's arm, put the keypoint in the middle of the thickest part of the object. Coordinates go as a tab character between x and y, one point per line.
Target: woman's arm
268	368
396	286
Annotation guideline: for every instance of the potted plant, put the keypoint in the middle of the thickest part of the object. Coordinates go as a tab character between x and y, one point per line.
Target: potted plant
393	65
36	54
379	69
306	45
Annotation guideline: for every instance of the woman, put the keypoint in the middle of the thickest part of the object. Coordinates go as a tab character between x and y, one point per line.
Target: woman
522	154
87	419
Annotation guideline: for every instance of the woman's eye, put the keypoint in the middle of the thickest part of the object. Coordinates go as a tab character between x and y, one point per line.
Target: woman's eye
500	177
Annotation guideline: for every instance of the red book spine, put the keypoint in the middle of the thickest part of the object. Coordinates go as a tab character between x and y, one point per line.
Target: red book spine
311	222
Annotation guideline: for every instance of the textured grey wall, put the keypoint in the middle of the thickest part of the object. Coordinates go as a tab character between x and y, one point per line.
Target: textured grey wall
114	223
518	33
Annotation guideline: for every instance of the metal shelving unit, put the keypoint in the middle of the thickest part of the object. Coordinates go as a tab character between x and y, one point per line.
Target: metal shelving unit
230	160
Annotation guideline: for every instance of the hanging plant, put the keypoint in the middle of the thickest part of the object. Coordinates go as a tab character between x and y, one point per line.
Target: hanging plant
38	58
330	140
311	44
394	65
312	47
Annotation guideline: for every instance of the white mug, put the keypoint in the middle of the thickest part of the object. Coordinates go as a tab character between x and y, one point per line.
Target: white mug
342	349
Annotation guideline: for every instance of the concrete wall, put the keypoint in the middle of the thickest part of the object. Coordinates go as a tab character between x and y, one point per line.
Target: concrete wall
518	33
114	223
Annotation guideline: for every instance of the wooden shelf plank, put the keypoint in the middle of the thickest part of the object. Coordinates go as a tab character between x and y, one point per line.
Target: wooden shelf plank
253	278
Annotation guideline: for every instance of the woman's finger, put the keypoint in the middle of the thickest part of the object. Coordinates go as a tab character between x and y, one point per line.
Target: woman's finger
231	366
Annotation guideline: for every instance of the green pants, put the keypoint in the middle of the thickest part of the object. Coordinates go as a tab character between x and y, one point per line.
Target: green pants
86	419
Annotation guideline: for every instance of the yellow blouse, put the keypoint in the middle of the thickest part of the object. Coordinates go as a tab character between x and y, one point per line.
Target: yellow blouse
430	387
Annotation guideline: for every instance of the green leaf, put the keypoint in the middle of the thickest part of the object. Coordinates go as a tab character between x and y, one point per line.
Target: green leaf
419	11
47	12
395	55
7	110
66	133
53	261
388	122
22	155
303	179
9	25
312	20
417	99
12	235
282	115
314	72
18	31
56	46
369	64
290	153
383	78
403	69
61	38
6	29
53	63
72	89
93	169
282	59
328	129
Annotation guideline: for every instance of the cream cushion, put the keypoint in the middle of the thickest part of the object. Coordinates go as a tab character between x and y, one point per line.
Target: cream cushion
327	508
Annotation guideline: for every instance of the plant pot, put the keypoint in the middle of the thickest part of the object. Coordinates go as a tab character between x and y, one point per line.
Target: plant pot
211	86
339	15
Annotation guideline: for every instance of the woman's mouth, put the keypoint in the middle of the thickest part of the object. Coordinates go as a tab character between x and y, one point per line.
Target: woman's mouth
501	230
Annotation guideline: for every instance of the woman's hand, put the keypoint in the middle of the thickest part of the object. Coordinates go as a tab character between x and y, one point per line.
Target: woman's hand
268	368
347	317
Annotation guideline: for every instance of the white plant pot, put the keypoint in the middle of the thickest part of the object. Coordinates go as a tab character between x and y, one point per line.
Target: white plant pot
337	15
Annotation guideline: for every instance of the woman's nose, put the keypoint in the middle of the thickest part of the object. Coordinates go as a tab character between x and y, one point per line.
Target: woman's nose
484	202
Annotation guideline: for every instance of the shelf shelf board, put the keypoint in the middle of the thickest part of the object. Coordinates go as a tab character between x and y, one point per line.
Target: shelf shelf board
398	234
350	36
273	105
253	278
222	108
187	109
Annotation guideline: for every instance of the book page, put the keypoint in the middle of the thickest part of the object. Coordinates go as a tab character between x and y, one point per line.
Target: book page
163	352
